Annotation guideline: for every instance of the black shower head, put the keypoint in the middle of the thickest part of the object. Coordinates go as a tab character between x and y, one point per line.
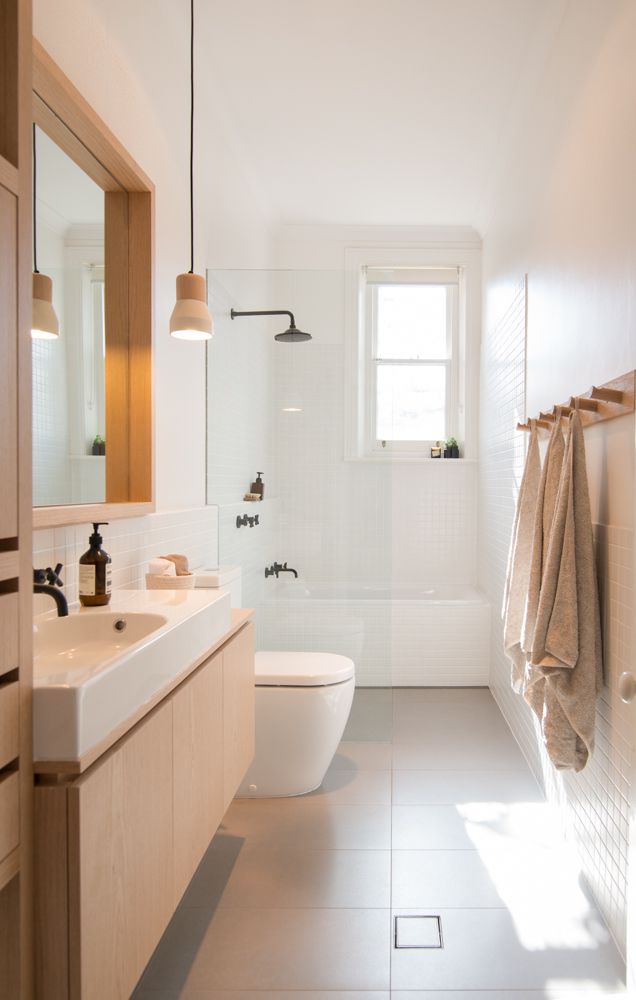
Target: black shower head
290	336
293	335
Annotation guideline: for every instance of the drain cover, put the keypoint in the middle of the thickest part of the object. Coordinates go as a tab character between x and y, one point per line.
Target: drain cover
415	931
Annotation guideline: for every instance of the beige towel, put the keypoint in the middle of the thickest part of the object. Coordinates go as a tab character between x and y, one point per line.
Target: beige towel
534	680
566	645
519	561
180	562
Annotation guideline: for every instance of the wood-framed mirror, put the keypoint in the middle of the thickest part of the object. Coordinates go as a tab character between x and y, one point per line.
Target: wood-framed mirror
123	306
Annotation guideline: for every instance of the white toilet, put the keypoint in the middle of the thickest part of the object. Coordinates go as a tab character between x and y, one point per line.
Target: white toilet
303	702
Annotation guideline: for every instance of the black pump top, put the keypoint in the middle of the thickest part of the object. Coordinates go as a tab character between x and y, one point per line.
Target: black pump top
96	539
258	476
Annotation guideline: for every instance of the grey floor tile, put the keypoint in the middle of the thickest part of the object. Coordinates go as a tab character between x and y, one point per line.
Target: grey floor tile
427	879
371	717
310	822
429	828
373	787
291	877
484	949
275	949
490	749
362	756
449	787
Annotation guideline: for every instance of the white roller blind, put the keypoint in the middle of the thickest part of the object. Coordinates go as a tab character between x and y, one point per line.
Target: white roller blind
411	275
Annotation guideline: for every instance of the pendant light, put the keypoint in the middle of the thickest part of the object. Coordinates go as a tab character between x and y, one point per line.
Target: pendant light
191	319
44	322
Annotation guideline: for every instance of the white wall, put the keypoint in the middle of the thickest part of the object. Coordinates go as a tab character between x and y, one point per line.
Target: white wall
565	216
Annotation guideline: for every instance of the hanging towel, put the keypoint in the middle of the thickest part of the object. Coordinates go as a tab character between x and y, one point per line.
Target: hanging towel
534	680
517	576
566	645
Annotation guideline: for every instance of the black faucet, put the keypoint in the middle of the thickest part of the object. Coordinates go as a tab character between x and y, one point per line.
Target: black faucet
47	581
277	568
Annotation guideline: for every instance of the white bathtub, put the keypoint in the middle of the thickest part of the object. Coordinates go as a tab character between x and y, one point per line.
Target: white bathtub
400	636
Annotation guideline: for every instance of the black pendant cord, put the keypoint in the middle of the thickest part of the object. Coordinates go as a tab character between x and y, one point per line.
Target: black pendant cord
35	240
191	136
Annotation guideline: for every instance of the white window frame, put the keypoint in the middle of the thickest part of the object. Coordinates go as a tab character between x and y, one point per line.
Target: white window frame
373	445
438	247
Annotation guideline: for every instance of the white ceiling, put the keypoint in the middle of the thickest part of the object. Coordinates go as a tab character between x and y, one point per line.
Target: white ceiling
363	112
375	112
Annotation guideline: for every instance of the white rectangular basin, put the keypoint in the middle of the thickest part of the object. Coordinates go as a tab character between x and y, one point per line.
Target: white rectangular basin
96	668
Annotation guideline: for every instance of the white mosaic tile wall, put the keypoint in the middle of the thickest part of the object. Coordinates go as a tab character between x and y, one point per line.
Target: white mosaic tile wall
250	548
593	805
131	543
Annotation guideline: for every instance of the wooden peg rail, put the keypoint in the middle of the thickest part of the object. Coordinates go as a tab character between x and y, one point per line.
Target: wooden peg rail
601	402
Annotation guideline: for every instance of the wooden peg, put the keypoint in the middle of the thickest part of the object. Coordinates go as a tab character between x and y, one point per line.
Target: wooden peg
606	394
562	410
584	403
547	416
544	423
523	427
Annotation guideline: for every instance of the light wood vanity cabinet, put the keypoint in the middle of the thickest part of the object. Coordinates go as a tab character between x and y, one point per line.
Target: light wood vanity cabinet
117	845
121	894
200	748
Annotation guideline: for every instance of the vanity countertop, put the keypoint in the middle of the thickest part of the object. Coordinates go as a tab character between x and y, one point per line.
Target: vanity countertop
83	703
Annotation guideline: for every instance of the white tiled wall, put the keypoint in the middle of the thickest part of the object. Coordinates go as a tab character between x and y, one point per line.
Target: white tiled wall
335	521
240	359
131	543
593	804
250	548
391	522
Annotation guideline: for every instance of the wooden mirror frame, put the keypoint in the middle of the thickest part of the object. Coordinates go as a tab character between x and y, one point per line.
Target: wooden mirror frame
60	110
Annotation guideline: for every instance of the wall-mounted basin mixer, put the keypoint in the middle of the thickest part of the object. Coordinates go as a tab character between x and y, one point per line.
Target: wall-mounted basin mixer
277	568
244	521
46	581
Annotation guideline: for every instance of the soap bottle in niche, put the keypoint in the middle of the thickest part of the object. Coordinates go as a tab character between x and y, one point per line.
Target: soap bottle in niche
258	486
95	572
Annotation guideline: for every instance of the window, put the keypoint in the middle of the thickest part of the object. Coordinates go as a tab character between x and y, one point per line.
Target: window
410	348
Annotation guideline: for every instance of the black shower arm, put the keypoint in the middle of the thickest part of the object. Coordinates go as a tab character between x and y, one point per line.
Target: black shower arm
265	312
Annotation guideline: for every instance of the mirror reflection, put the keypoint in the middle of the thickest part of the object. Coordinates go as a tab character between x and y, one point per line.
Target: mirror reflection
68	371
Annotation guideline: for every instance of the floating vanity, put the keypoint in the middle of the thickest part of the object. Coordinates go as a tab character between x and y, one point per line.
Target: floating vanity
142	735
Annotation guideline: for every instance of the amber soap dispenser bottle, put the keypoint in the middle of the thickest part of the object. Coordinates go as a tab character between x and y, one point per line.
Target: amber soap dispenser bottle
95	572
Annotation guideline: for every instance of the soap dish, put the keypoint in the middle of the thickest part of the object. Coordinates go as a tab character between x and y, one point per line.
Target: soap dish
154	582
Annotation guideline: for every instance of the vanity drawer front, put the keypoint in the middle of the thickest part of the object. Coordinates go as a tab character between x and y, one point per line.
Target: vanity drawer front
9	732
239	699
8	632
9	813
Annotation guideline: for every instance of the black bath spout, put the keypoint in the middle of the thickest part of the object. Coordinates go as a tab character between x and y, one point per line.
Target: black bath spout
277	568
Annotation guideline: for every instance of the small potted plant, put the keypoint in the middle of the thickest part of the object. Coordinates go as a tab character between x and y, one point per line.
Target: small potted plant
99	445
451	449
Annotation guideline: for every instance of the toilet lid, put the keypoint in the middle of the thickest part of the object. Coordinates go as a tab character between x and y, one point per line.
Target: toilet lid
302	669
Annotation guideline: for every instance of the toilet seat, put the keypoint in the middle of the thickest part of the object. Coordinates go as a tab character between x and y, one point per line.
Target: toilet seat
285	669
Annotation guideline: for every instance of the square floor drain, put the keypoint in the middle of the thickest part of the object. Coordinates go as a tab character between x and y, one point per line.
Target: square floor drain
418	932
